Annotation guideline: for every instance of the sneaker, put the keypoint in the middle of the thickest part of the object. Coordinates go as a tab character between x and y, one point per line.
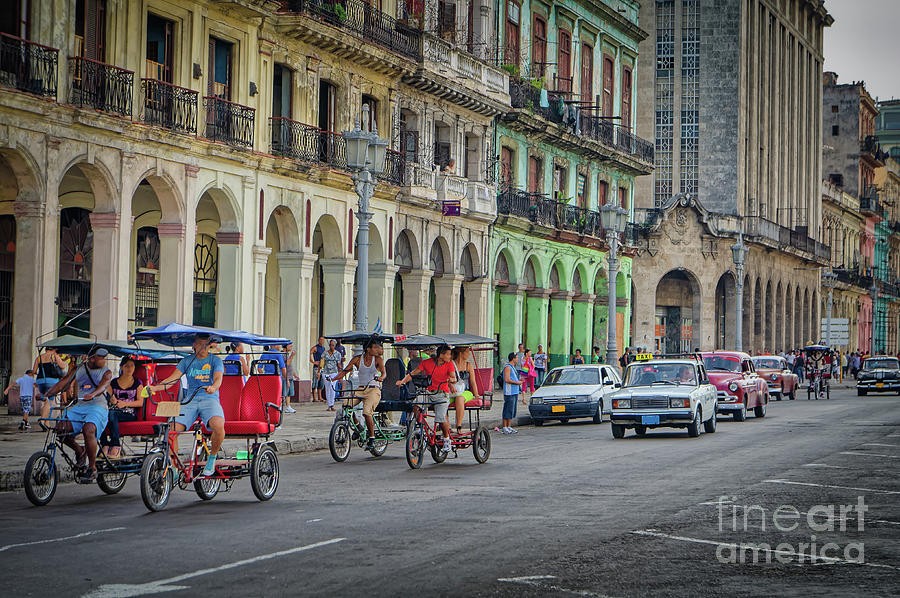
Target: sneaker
511	431
27	426
447	447
290	409
21	425
370	444
210	469
503	430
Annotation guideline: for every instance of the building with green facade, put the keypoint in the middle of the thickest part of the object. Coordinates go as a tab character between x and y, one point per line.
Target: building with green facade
566	148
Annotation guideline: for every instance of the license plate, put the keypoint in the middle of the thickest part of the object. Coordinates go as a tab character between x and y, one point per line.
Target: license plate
650	419
558	409
879	385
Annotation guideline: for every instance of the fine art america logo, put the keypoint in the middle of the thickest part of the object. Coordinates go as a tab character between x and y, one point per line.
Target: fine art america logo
788	519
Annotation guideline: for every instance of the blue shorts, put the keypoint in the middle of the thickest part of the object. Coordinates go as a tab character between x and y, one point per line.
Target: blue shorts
509	406
205	408
45	384
92	412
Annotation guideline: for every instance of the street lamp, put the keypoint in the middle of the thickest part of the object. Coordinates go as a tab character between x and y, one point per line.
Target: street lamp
366	153
828	280
739	257
612	218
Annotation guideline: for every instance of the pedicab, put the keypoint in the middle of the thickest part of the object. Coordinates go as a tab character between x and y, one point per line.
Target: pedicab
42	471
253	411
818	374
421	431
349	426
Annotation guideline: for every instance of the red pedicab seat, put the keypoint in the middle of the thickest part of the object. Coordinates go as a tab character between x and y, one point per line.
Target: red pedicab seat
260	402
147	417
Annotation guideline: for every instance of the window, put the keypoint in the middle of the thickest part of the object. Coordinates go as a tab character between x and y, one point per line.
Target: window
159	58
409	136
442	148
626	97
602	192
835	130
834	109
447	20
664	94
511	53
507	159
90	29
372	118
535	174
609	73
539	48
14	19
470	27
219	73
560	181
623	197
281	92
581	193
587	73
327	108
564	62
472	157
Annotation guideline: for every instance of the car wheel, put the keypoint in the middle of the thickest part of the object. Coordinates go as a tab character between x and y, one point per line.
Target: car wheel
793	394
693	428
618	431
760	410
860	393
598	416
640	430
741	414
537	422
709	426
564	420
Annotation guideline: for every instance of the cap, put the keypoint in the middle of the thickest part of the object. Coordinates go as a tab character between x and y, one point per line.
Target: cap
98	351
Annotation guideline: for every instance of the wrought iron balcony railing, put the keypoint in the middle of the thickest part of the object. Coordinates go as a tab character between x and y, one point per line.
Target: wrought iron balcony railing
28	66
366	21
169	106
101	86
229	122
543	211
394	168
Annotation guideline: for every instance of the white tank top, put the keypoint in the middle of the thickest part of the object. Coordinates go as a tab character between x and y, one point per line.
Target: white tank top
366	374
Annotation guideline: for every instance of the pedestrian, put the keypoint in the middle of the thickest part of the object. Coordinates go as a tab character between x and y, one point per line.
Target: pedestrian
540	364
290	375
237	355
49	368
127	396
845	362
520	360
316	381
791	358
331	367
799	369
623	360
340	349
26	396
578	359
511	388
530	376
595	355
274	353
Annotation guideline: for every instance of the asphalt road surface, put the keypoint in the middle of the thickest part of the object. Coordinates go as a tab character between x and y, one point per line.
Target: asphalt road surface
563	510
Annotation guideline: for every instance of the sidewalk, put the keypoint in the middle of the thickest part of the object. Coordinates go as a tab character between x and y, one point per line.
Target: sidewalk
301	432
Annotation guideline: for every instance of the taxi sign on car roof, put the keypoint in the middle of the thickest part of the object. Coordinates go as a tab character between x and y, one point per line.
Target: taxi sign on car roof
643	357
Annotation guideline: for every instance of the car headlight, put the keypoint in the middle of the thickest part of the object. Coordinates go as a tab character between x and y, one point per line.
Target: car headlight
679	403
621	403
537	401
583	399
733	387
774	377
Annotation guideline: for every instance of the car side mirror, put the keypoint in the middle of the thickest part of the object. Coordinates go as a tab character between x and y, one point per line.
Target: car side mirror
608	382
617	385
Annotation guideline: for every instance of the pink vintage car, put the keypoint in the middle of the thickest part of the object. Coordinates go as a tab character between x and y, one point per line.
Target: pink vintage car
739	387
777	374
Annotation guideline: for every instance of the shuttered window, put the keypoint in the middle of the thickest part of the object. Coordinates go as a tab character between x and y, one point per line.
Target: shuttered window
587	73
608	84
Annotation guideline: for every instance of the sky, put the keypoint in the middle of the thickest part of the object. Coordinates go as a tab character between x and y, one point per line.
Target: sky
862	44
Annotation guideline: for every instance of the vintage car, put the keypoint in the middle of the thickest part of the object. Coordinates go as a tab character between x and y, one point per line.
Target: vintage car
739	386
573	391
775	371
664	393
880	373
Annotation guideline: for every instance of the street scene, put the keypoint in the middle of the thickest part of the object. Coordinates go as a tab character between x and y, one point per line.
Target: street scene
310	297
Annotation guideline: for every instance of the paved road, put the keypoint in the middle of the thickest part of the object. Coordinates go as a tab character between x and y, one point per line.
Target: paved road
557	511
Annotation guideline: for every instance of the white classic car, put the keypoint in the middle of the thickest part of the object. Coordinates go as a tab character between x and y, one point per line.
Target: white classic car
574	391
664	393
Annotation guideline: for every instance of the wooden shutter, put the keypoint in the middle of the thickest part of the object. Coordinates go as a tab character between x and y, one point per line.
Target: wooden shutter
211	66
602	190
539	48
506	158
94	29
564	60
587	73
169	58
409	141
608	85
513	15
623	197
626	97
447	20
534	174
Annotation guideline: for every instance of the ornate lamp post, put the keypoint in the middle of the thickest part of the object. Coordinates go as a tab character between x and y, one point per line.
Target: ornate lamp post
739	257
612	217
828	280
366	153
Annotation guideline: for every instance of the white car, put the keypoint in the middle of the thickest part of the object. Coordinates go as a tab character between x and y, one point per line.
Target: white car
664	393
574	391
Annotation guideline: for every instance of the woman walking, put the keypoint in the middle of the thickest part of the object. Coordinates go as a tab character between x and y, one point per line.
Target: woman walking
530	376
331	367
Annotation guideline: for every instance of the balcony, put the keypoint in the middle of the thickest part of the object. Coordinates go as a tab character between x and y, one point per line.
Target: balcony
101	86
365	21
28	66
540	210
229	122
783	237
169	106
868	202
394	168
869	148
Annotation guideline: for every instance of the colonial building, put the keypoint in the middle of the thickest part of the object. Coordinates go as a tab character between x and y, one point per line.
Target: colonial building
566	148
731	93
182	161
887	127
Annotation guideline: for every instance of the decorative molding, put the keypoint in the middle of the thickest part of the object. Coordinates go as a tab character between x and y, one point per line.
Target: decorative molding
191	170
229	238
104	219
29	209
171	229
53	142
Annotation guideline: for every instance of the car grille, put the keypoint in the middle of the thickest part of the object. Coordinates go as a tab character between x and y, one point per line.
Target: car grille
558	401
722	394
650	403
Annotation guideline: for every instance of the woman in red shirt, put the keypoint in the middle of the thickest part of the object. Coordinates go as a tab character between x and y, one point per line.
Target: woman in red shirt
443	374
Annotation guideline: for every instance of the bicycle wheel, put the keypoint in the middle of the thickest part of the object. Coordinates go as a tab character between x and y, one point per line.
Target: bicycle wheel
111	482
206	488
481	444
415	443
339	441
380	447
437	455
41	478
157	481
264	473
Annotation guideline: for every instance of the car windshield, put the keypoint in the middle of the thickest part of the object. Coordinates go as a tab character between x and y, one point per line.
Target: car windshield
721	363
888	363
572	376
648	374
767	363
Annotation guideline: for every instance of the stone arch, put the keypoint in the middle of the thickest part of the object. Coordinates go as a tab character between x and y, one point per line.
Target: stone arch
503	272
327	238
798	318
284	221
726	311
581	283
678	309
438	261
814	321
540	272
25	172
556	277
227	207
376	245
530	275
469	263
99	178
789	317
406	251
747	319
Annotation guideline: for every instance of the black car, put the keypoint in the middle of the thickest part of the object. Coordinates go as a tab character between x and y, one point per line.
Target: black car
879	374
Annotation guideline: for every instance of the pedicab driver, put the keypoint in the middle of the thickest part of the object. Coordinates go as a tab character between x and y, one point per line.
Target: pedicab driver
91	413
442	373
203	372
370	368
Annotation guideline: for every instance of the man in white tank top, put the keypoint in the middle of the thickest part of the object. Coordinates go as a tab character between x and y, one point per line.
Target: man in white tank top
370	368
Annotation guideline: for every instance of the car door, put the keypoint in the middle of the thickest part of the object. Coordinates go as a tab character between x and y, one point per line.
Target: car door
752	380
607	388
708	393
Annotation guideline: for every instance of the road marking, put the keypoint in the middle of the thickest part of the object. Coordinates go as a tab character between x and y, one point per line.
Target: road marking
879	422
865	454
829	486
63	539
122	590
825	465
752	547
881	444
536	581
313	520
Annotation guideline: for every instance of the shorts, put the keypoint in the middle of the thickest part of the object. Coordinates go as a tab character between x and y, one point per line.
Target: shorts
205	408
441	404
509	406
370	399
26	404
317	381
88	413
45	384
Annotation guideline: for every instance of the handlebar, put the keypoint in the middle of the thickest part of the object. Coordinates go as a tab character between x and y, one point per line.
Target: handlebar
184	396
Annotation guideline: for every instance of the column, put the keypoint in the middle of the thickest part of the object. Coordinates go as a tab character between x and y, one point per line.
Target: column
260	261
381	296
174	294
510	320
415	301
109	299
228	301
582	332
560	333
338	276
599	323
478	304
446	313
290	273
537	303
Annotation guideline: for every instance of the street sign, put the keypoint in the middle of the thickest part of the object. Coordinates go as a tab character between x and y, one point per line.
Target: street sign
837	325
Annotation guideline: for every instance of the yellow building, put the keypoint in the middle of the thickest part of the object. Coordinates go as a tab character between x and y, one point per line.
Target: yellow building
844	228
